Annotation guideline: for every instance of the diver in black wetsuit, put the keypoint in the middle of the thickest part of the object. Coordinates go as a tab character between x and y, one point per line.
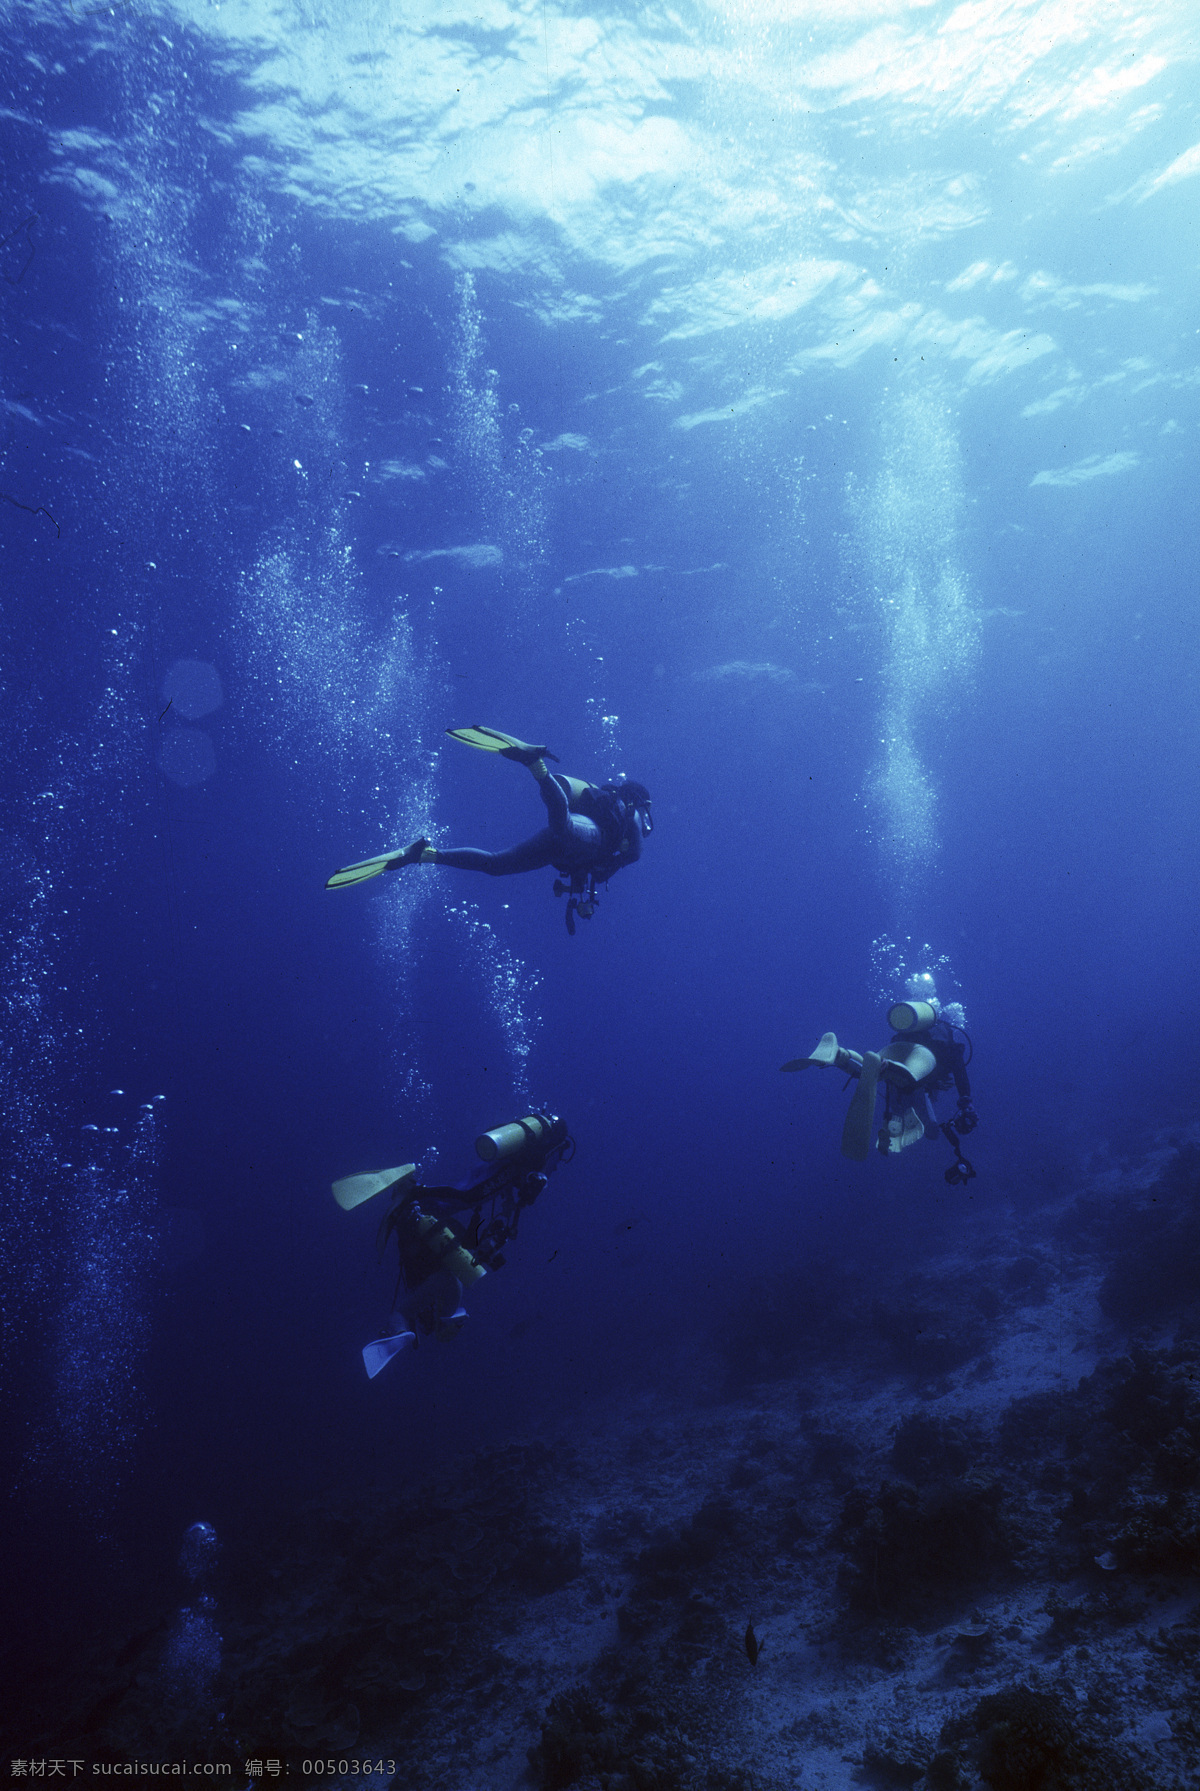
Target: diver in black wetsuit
594	830
926	1054
448	1237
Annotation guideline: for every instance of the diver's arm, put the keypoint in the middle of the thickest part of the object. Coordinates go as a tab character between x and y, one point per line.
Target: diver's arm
628	852
631	846
966	1119
951	1059
447	1203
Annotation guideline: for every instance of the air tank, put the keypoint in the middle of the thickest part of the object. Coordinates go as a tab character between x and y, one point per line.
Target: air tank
912	1016
445	1248
506	1141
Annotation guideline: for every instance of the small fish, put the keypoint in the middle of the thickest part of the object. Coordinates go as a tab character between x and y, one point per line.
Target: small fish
753	1645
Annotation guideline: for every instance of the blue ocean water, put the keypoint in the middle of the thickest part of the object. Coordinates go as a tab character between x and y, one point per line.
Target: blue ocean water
792	407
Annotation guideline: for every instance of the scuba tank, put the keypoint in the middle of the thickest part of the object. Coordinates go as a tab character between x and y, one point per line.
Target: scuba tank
517	1161
541	1131
521	1157
439	1242
912	1016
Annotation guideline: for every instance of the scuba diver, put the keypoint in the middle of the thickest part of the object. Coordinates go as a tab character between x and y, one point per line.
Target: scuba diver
594	830
450	1237
928	1051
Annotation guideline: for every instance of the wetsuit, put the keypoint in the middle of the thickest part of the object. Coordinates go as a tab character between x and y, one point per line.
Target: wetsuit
591	833
951	1061
433	1292
950	1067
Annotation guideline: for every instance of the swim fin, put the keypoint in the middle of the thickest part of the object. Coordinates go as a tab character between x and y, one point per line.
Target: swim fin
902	1130
359	873
377	1355
856	1133
825	1052
352	1190
830	1055
375	867
489	740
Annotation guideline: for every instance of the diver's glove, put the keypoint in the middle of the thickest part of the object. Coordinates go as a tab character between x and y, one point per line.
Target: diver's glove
965	1120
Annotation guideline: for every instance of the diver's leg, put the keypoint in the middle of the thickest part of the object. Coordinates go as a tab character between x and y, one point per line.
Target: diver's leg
578	842
531	855
435	1301
923	1111
884	1139
452	1315
571	842
554	795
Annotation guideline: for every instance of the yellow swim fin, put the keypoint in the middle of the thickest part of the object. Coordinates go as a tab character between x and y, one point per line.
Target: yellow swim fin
359	873
507	745
375	867
352	1190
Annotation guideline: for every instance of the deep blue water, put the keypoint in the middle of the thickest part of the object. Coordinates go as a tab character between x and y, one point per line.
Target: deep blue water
817	396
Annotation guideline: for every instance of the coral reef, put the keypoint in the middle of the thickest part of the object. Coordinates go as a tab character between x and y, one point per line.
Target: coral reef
1150	1241
775	1323
911	1550
1120	1456
929	1447
1030	1741
936	1327
970	1560
632	1746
